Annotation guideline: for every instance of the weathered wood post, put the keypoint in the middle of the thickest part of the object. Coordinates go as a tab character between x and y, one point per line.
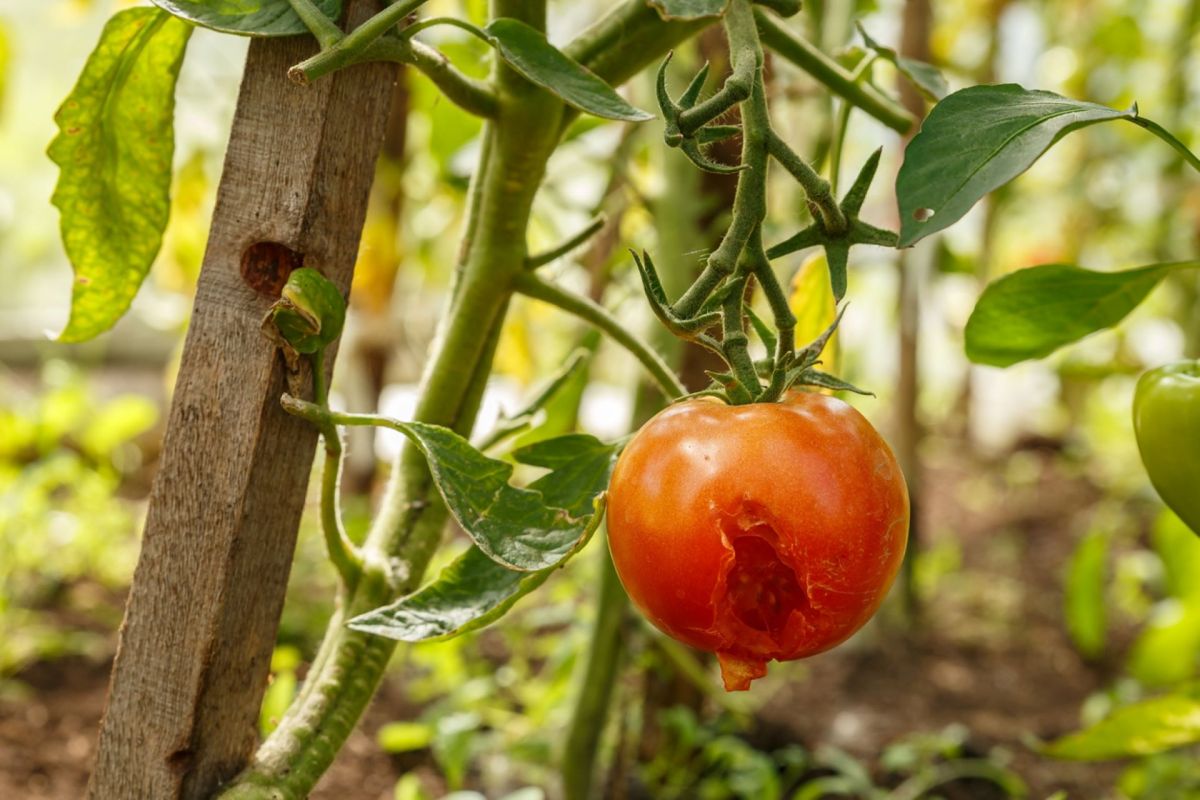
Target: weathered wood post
201	618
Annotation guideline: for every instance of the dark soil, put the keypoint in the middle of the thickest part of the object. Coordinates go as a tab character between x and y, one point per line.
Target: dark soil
989	652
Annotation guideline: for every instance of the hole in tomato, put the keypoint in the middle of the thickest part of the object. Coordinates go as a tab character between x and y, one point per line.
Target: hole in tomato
763	591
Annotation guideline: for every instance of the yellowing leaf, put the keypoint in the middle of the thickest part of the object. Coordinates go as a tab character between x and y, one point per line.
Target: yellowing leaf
811	300
114	150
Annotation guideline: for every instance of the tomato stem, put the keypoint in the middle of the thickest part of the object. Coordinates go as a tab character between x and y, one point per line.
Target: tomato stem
741	253
342	552
534	286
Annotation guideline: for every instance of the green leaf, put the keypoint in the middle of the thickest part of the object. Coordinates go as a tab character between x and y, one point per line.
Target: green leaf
926	77
513	526
1141	729
1033	312
689	9
527	51
472	592
976	140
114	148
247	17
1083	600
580	465
475	589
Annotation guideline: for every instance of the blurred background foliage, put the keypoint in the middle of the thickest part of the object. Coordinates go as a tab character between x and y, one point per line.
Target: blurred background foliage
1033	497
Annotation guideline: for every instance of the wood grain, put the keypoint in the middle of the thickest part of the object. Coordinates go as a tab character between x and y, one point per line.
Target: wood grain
202	615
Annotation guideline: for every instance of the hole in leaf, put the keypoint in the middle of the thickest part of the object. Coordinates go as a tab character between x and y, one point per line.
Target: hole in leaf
267	265
923	214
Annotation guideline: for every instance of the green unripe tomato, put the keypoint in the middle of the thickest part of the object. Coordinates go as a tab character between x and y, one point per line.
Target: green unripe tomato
310	312
1166	421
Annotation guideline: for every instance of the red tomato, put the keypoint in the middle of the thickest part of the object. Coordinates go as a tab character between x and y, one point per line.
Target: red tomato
760	532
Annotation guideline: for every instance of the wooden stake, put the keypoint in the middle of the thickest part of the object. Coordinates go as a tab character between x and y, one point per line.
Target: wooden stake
202	615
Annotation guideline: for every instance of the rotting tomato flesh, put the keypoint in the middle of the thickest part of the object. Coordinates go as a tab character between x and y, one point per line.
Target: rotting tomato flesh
769	531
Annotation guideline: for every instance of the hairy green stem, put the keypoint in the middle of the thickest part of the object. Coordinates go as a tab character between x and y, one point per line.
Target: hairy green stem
785	320
343	50
470	94
735	344
815	187
590	311
750	203
842	123
577	240
339	547
618	45
791	47
325	30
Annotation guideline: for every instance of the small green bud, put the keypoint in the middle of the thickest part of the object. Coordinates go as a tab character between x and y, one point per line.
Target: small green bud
310	312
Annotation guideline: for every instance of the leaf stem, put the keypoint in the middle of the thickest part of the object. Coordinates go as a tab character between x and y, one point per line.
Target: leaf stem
454	22
532	285
842	123
818	190
785	320
322	27
557	252
470	94
734	341
343	50
342	552
791	47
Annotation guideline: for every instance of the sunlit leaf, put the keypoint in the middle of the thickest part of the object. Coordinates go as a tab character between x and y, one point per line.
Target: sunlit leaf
976	140
114	149
403	737
278	697
689	9
1033	312
409	787
527	51
1084	596
926	77
247	17
1152	726
116	422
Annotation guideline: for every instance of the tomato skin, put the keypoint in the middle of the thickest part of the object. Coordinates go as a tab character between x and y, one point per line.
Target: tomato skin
769	531
1166	421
